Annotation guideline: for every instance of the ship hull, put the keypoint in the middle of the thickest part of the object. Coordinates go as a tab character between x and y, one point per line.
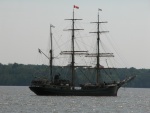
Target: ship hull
47	91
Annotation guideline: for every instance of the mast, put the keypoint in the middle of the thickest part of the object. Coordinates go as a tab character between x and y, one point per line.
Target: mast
98	51
73	52
51	54
73	60
98	54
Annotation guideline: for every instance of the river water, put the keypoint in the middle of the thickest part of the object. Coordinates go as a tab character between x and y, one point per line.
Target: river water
19	99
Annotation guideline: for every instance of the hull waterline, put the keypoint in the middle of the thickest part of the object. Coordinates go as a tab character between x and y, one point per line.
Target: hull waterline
43	91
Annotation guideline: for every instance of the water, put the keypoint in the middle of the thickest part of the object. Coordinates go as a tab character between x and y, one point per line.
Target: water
19	99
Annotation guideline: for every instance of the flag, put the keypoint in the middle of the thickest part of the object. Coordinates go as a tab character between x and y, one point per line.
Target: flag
99	9
52	25
75	7
40	51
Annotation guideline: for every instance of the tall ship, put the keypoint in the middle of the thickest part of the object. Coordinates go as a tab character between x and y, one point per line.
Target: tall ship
56	86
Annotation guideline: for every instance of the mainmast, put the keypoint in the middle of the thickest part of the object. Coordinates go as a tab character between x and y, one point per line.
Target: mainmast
73	59
73	52
73	49
51	54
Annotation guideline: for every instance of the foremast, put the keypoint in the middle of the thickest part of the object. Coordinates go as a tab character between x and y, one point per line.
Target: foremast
51	54
99	54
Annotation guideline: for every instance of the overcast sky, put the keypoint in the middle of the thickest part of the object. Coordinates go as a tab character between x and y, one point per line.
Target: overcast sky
24	26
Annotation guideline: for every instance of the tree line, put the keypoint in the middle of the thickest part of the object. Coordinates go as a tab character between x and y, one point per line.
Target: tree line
22	75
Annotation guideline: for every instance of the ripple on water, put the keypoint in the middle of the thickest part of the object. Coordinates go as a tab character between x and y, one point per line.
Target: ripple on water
21	100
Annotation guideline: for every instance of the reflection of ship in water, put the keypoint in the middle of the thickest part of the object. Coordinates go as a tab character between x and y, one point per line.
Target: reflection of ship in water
63	87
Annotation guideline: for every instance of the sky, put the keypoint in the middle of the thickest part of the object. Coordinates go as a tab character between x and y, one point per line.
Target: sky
24	27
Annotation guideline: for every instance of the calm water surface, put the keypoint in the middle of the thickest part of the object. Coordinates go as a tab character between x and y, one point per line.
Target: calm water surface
19	99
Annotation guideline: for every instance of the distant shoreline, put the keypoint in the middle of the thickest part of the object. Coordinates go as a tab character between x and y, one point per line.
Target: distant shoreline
21	75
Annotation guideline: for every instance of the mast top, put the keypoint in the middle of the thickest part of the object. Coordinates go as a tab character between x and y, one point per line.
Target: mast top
52	26
99	9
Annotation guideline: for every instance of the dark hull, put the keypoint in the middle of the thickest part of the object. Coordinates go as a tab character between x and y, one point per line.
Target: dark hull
107	91
51	90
